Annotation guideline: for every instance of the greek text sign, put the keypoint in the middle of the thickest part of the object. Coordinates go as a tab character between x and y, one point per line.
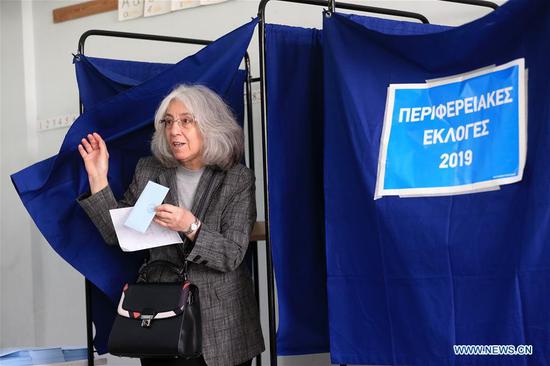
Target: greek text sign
455	135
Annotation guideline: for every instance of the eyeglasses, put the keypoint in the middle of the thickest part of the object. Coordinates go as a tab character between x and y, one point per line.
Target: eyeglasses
185	121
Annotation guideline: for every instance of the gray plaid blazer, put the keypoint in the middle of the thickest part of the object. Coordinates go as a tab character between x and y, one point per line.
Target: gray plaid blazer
230	317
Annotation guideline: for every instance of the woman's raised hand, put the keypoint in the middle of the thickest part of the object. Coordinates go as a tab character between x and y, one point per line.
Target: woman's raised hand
96	161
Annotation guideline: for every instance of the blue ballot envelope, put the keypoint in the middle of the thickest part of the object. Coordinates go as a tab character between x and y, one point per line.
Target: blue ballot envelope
144	210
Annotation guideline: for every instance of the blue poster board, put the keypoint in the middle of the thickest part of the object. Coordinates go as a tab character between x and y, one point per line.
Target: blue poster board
460	134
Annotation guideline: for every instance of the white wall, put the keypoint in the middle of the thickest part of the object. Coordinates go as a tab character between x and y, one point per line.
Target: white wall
16	280
41	296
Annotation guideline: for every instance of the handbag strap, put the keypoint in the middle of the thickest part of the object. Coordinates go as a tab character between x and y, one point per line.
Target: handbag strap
164	264
202	206
182	271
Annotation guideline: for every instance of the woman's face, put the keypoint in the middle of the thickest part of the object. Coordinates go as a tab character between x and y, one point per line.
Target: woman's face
183	135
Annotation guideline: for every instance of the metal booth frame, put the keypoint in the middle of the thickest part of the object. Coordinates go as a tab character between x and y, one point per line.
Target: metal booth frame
331	5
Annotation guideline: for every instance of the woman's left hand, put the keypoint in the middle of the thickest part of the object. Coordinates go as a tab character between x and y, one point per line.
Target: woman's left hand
173	217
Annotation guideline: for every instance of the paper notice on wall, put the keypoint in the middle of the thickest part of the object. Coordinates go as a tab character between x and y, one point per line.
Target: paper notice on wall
156	7
130	9
184	4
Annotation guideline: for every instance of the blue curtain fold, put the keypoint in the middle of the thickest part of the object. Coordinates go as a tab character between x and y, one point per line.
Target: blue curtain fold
397	27
409	278
100	78
295	149
120	99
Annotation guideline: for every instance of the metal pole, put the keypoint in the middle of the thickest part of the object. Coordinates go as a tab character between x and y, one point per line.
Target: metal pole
253	246
89	324
485	3
147	37
255	275
88	297
355	7
269	258
249	119
331	6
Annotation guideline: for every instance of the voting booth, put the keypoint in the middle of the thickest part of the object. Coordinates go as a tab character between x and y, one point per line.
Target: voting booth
406	188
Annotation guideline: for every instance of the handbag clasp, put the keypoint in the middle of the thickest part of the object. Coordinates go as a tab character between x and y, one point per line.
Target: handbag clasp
146	320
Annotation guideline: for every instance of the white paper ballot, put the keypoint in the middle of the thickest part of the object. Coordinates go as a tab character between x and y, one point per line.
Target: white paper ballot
131	240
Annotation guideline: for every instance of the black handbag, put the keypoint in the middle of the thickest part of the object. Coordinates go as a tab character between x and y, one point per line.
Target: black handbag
158	320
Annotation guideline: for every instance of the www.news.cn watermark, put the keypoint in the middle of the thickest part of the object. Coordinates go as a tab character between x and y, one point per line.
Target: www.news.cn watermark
493	350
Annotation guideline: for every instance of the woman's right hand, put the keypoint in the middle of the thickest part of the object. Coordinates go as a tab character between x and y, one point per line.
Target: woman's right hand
96	161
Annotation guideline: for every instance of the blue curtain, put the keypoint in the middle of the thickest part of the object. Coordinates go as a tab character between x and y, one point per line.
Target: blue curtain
295	149
409	278
295	91
396	27
123	115
100	79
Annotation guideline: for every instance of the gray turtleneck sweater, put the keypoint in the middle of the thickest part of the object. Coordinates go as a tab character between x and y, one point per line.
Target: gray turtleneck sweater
187	182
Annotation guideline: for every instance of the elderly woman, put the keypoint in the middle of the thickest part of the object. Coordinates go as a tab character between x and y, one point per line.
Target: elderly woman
197	147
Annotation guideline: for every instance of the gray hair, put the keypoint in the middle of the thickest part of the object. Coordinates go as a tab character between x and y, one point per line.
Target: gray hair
223	139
